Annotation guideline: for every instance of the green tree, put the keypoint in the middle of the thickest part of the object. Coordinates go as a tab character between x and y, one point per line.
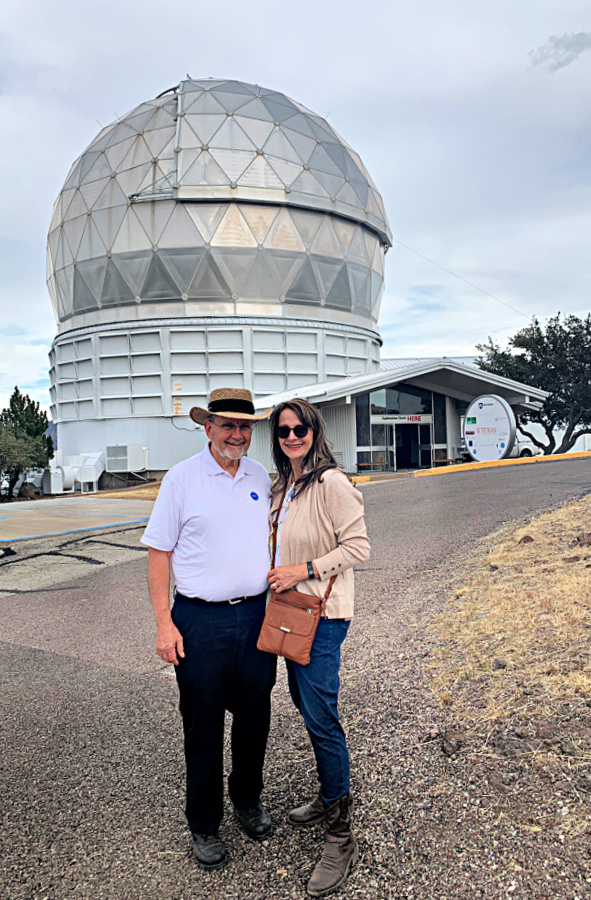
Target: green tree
555	357
23	443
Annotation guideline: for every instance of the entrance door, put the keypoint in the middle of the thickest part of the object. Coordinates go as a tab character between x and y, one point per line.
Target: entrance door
413	446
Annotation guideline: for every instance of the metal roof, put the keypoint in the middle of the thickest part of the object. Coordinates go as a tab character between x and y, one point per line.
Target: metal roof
458	379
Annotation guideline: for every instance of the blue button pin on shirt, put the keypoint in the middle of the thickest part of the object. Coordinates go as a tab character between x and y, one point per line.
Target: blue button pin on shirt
254	495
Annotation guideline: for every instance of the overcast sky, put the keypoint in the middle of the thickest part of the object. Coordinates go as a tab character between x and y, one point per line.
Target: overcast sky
473	118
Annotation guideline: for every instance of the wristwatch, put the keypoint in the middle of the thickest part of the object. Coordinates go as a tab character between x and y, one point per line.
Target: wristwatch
311	573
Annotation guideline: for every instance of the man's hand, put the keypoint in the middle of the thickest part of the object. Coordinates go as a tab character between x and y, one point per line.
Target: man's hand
169	643
281	578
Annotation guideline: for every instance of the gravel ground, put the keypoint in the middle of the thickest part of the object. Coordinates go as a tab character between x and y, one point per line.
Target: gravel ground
92	781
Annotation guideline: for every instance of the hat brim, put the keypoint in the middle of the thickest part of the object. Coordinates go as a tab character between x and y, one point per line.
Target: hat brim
199	415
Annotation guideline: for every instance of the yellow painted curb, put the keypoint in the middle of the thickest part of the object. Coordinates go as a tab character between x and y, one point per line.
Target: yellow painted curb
358	478
525	461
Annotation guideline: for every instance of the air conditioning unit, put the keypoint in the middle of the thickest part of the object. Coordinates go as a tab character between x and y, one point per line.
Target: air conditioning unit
125	458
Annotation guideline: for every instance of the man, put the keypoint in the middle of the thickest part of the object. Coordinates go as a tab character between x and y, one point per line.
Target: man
210	526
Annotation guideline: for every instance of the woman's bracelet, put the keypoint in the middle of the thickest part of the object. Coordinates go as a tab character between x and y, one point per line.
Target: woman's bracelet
311	573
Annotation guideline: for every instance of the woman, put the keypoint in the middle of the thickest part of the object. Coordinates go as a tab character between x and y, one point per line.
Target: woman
321	533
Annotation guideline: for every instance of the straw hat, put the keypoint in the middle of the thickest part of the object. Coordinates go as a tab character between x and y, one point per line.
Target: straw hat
234	403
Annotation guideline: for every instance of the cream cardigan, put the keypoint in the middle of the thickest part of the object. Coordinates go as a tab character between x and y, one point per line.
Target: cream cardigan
326	525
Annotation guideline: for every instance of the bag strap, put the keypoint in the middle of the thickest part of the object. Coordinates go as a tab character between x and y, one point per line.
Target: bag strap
275	526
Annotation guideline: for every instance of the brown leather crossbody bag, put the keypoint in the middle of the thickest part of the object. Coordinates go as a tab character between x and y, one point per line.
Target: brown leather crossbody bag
292	617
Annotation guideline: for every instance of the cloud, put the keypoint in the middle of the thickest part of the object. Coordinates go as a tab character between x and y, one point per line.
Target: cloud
559	52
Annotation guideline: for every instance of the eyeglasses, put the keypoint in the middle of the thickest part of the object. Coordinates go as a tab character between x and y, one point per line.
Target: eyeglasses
300	431
229	428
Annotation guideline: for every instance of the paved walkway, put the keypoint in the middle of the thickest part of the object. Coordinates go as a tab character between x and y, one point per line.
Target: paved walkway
66	515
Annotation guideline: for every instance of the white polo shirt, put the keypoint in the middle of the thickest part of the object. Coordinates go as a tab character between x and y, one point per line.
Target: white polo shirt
216	525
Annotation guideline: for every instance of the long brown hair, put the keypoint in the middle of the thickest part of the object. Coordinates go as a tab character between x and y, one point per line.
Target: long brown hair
319	457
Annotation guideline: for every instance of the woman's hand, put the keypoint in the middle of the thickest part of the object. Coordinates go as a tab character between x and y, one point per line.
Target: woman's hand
281	578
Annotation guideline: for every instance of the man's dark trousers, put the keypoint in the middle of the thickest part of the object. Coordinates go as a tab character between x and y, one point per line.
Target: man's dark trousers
223	670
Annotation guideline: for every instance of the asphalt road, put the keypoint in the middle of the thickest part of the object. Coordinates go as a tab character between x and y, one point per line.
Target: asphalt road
91	773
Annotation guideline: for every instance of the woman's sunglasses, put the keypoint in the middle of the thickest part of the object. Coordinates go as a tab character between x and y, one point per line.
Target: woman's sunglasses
300	431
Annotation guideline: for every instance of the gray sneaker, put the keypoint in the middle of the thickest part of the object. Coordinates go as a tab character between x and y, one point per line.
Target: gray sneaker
209	851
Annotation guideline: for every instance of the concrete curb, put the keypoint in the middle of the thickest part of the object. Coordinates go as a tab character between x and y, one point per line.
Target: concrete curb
525	461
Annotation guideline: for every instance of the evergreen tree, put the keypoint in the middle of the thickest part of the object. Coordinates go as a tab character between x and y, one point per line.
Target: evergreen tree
23	442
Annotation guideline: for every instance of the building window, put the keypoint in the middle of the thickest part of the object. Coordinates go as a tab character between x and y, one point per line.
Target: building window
439	427
362	416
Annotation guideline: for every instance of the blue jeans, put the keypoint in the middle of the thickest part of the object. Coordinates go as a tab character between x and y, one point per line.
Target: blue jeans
314	690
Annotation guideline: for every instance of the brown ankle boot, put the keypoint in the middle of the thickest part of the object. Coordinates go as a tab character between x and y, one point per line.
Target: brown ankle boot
309	814
340	850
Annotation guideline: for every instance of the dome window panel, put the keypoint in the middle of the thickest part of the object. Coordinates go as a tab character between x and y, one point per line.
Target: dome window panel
260	174
233	162
74	229
230	136
340	292
153	217
304	288
209	283
207	217
284	234
287	171
84	299
116	291
361	287
205	104
326	273
117	154
302	144
180	232
89	194
202	130
87	162
285	264
256	109
108	222
206	171
260	282
278	145
129	180
259	219
159	283
257	131
233	231
133	268
91	243
78	206
326	242
112	195
307	183
101	169
131	237
232	101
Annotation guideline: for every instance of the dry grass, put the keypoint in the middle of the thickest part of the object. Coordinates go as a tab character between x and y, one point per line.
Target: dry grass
142	492
520	625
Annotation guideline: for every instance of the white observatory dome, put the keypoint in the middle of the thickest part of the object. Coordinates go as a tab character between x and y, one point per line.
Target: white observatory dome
218	235
168	203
